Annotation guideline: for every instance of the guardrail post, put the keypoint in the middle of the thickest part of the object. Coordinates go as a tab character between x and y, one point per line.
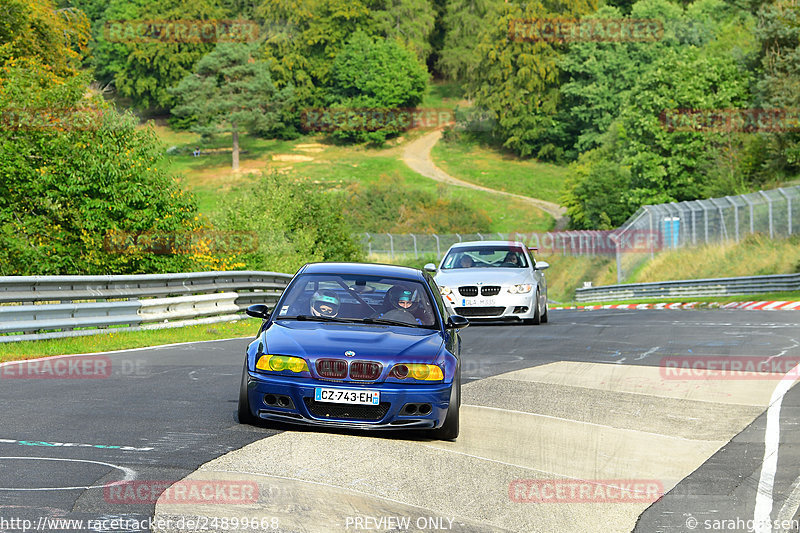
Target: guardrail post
788	208
769	207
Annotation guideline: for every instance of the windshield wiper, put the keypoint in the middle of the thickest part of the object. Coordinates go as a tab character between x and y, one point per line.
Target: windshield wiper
318	318
390	322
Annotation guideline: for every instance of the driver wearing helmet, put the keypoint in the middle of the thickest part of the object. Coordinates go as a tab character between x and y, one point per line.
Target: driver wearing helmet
325	303
404	306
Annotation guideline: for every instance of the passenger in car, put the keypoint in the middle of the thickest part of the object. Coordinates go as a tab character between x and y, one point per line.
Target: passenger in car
511	260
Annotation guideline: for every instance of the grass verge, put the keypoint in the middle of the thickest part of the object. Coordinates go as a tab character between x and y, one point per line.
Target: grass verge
469	161
122	340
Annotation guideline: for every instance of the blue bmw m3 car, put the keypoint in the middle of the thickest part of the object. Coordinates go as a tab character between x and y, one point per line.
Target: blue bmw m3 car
356	345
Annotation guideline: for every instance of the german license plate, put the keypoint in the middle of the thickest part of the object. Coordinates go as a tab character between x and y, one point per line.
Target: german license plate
359	397
477	302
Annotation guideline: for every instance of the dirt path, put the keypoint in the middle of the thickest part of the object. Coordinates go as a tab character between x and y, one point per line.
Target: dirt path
417	155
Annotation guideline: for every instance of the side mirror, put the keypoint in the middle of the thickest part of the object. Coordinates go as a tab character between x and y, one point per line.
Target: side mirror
541	265
457	322
430	267
258	311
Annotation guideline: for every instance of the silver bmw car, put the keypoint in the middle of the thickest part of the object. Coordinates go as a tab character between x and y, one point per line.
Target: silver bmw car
493	280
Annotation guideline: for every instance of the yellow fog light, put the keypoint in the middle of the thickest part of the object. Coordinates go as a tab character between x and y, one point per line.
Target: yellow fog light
417	371
279	363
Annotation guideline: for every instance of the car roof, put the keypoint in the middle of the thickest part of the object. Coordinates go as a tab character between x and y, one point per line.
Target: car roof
510	244
370	269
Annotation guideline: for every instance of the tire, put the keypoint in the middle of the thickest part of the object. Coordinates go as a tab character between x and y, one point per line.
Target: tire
545	318
449	430
244	412
537	319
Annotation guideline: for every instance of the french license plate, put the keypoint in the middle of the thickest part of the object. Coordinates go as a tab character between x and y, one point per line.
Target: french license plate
477	302
360	397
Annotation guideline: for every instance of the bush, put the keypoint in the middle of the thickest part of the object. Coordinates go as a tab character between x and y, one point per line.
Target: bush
74	171
294	225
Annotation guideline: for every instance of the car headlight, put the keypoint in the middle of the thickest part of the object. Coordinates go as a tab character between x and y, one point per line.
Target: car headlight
279	363
417	371
520	289
444	290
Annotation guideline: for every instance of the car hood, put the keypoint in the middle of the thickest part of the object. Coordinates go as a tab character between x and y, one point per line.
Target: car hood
486	276
313	340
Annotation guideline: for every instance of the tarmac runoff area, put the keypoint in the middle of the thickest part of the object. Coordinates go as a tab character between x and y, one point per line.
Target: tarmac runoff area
564	446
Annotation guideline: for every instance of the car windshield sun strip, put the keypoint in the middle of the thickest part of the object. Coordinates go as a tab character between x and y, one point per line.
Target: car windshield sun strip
382	321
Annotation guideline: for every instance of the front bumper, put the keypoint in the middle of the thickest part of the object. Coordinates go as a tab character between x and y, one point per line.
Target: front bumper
500	307
302	408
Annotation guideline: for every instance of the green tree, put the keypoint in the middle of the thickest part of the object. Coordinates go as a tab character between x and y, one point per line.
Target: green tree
229	92
74	172
657	164
463	22
375	75
317	30
35	28
294	223
518	80
141	66
778	86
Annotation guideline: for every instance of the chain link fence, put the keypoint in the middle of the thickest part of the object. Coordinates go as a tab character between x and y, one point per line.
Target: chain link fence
651	229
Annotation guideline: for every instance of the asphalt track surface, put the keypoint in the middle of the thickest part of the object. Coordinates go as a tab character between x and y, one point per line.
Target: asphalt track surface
582	400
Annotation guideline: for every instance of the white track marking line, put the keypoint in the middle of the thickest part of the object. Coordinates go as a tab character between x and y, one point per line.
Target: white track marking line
769	465
789	508
130	474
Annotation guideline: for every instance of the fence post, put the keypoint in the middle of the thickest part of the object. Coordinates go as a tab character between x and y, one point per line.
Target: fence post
788	208
391	246
416	255
479	236
369	244
438	248
735	216
769	207
459	238
750	204
650	218
615	239
721	220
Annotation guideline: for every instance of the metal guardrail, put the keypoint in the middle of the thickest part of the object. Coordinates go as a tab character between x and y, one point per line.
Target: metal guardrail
45	307
691	288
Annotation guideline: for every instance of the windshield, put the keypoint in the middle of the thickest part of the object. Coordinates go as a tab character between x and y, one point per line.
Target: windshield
367	299
485	257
